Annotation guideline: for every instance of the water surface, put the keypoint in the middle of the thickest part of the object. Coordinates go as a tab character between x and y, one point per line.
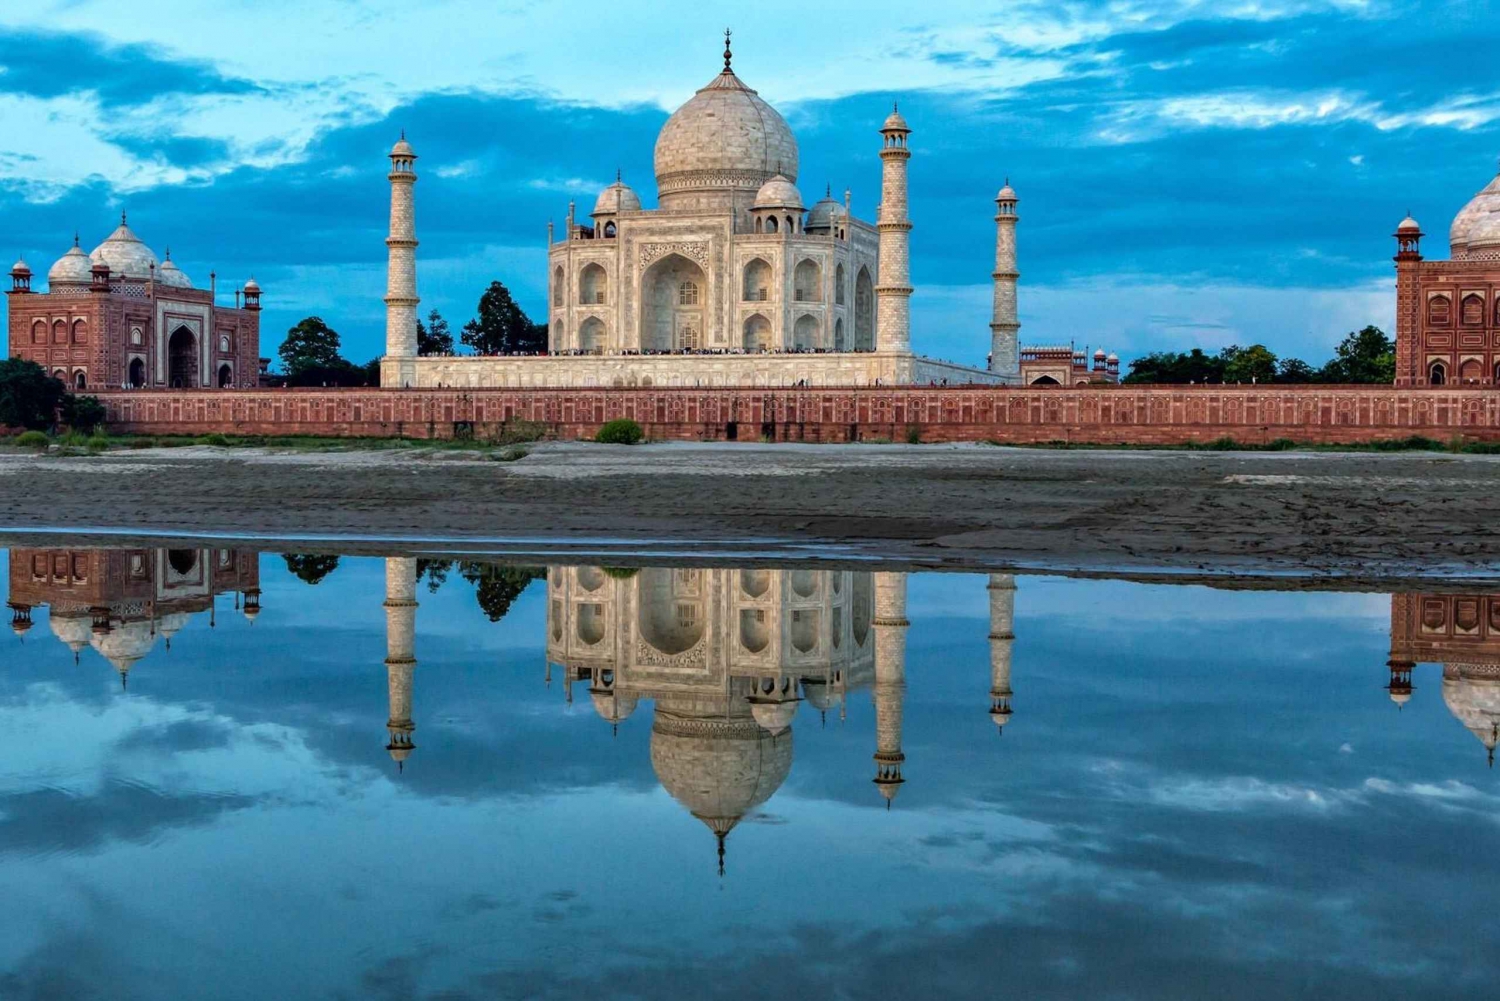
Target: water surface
243	775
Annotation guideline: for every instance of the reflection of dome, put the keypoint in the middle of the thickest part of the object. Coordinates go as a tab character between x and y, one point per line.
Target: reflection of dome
724	138
1483	203
774	715
72	268
718	769
618	197
124	252
171	624
611	707
778	193
125	644
1472	692
73	628
1000	715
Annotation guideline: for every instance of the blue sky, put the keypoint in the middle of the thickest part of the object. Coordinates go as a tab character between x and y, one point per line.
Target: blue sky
1192	173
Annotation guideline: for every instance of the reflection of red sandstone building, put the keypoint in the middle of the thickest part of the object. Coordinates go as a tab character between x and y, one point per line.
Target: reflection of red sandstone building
1461	632
117	318
1063	366
120	601
1448	312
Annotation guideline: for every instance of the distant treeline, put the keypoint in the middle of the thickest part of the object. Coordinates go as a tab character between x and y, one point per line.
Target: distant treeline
311	355
1365	356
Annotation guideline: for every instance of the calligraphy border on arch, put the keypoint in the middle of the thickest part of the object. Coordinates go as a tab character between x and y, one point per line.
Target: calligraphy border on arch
695	252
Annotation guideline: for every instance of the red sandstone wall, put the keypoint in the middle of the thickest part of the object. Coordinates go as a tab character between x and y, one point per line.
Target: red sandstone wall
1127	414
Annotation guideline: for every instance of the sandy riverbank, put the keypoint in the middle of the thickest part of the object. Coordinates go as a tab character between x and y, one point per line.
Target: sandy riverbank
1364	516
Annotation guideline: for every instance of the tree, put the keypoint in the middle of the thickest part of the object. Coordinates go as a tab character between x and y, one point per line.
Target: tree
1365	356
1253	364
310	344
29	397
501	326
310	567
82	413
1175	367
1295	370
434	337
498	586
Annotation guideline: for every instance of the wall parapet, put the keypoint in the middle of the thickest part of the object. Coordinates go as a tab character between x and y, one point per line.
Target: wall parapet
1116	414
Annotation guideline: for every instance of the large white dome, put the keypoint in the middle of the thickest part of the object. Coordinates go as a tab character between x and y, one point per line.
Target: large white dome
724	140
72	268
125	254
1481	205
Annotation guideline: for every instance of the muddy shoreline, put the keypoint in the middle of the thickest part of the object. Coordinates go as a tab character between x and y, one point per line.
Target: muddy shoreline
1345	520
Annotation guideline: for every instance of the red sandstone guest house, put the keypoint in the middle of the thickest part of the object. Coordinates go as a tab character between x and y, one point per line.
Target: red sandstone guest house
117	318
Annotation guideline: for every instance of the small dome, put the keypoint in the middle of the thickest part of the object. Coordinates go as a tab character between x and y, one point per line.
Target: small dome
1113	357
1099	355
170	274
819	693
1400	697
1409	225
171	624
894	122
400	752
252	614
251	287
72	268
824	214
124	253
20	626
1007	194
20	267
618	197
403	148
719	769
778	193
1486	201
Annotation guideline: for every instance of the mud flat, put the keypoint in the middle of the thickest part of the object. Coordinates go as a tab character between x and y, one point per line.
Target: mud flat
1298	516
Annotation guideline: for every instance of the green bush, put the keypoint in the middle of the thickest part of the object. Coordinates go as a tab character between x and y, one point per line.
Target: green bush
171	443
913	435
1281	445
621	432
83	413
217	440
73	439
98	443
29	397
143	443
33	439
519	432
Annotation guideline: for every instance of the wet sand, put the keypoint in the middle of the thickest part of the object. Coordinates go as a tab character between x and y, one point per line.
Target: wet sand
1357	517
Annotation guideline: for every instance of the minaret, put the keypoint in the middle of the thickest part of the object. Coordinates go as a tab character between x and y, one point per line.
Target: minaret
401	271
1005	352
893	290
1002	588
889	624
1410	370
400	656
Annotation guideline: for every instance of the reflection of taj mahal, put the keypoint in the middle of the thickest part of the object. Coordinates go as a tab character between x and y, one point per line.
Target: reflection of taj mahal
1461	632
121	601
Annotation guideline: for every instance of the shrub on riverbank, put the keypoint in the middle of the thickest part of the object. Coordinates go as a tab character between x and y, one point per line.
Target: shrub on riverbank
32	439
620	432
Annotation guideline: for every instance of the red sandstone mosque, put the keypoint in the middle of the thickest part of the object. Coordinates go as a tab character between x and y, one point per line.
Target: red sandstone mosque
1448	312
117	318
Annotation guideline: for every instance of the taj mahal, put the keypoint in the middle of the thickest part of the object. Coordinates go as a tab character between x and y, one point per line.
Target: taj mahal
731	280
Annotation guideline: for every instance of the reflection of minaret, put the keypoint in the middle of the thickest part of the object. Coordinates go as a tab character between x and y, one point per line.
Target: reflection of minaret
1002	588
400	656
889	625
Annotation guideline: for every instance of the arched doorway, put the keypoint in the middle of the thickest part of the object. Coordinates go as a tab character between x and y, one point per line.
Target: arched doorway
1438	374
673	292
226	377
805	333
838	335
591	336
182	359
864	311
182	561
757	333
1470	370
137	373
80	380
1045	380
